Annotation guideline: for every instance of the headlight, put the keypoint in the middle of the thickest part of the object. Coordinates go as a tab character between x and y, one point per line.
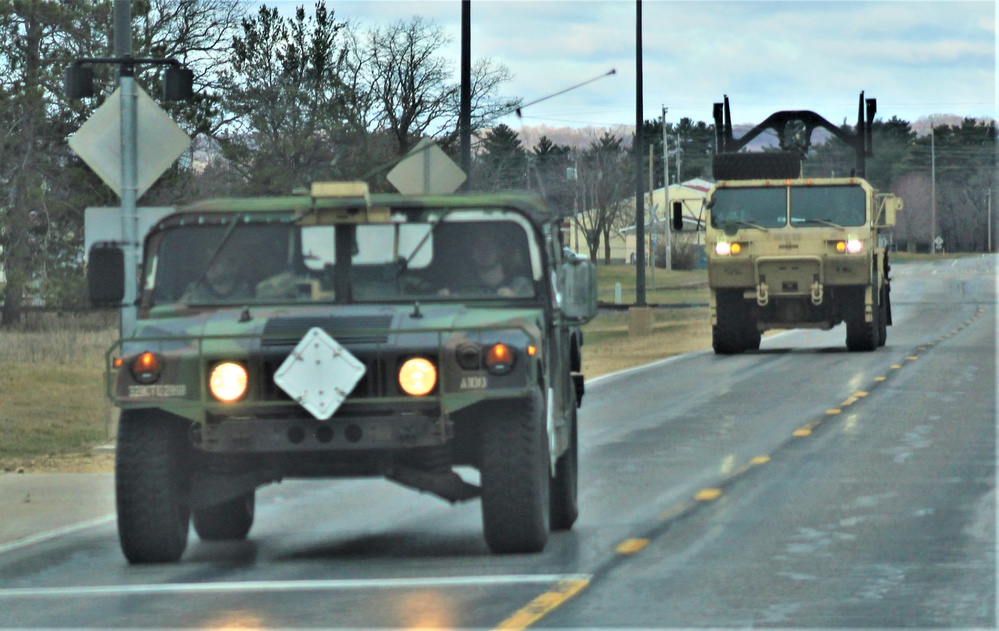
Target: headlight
146	368
500	359
853	246
418	376
228	381
722	248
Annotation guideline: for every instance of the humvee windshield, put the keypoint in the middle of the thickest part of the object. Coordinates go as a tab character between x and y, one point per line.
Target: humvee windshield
810	206
250	262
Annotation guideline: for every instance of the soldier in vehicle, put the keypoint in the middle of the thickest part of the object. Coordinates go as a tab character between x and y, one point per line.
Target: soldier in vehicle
492	270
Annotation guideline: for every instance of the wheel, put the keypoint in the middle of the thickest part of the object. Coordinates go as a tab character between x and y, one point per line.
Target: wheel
515	477
751	334
564	502
728	336
227	521
152	486
883	320
862	335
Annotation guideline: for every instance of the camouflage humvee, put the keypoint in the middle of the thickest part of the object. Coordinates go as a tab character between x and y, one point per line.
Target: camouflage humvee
340	334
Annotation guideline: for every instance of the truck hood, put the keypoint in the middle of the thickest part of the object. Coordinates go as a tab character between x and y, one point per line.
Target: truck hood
295	321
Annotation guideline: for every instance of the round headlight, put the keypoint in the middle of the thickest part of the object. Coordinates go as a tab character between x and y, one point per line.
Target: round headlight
854	246
228	382
722	248
417	377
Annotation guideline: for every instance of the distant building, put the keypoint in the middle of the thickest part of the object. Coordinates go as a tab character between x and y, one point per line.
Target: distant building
690	195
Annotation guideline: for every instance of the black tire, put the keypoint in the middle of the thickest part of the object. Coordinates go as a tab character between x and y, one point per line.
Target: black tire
883	319
515	474
861	335
564	495
728	336
751	335
228	521
152	486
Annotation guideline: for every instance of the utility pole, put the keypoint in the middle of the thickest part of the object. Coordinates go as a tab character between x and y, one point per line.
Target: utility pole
666	207
639	157
465	106
933	190
129	215
988	201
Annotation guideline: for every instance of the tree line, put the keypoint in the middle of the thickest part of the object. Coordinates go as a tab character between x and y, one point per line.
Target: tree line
284	100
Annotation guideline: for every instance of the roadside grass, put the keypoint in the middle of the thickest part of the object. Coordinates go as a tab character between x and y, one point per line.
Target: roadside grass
52	404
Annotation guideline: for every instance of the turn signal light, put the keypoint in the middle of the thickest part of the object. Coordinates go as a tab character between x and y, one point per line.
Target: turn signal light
146	368
228	382
499	359
418	376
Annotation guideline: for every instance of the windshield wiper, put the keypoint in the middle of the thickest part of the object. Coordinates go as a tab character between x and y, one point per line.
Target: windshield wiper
822	222
746	224
403	262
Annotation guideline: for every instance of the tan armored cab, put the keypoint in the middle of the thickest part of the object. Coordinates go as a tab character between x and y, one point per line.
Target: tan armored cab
788	252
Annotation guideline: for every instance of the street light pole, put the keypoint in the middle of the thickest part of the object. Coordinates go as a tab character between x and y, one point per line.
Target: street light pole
666	207
129	216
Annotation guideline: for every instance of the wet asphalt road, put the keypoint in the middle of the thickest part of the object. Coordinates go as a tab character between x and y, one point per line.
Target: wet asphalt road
799	486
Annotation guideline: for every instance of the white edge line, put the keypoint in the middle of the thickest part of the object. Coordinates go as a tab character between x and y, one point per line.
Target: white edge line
288	586
52	534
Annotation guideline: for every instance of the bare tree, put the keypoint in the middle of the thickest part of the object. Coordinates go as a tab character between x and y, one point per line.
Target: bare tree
413	84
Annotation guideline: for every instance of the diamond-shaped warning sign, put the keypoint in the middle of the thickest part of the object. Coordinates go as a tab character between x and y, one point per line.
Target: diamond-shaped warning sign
319	373
159	142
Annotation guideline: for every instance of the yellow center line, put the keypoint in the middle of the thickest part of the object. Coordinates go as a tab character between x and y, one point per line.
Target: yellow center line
706	495
670	513
760	460
849	401
880	378
631	546
860	394
543	604
896	366
833	411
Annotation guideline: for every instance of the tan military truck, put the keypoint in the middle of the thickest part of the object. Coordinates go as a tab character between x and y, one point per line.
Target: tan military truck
785	251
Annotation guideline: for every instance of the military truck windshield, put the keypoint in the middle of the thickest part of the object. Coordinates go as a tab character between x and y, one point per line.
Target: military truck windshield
828	205
275	263
749	207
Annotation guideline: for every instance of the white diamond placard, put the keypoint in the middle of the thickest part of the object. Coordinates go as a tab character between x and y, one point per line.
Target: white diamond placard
319	373
159	142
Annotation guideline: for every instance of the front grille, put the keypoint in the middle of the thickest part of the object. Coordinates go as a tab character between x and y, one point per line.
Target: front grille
345	330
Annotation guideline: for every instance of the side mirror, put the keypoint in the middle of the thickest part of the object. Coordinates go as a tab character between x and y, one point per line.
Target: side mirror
106	275
888	211
577	282
677	223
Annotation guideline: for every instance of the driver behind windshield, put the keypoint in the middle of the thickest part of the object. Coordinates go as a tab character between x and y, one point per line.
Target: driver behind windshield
494	263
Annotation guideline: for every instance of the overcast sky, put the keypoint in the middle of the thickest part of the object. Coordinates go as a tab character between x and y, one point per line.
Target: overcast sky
917	58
